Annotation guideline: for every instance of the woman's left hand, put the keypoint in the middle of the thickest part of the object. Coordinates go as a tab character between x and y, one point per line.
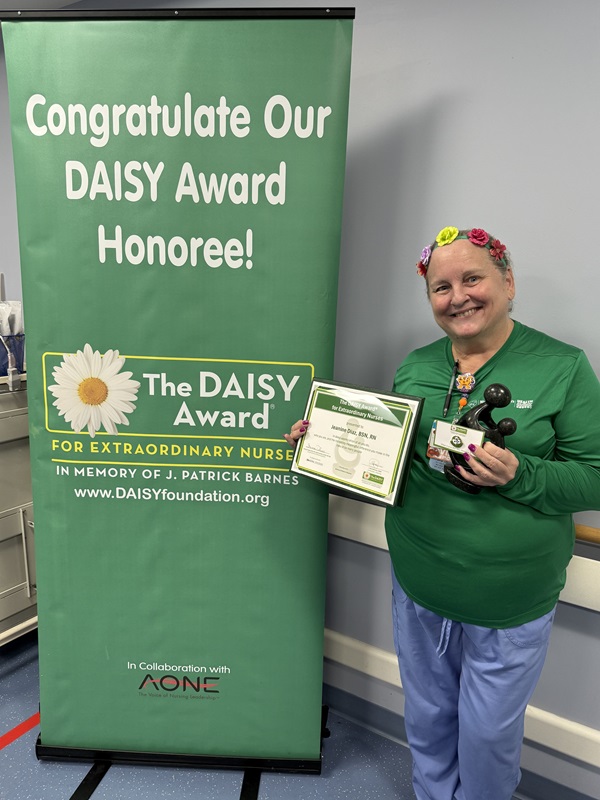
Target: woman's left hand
491	465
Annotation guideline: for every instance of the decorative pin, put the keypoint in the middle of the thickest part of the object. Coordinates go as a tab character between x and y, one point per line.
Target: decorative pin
465	382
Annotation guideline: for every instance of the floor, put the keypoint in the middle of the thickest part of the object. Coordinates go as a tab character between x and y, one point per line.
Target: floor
357	763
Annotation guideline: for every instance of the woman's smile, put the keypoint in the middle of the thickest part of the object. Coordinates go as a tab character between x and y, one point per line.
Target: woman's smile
468	313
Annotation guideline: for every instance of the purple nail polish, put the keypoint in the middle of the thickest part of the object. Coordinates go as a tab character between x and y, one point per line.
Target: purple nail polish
466	456
305	422
302	430
472	448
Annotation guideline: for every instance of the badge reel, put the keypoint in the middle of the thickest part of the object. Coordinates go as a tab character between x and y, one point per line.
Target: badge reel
441	437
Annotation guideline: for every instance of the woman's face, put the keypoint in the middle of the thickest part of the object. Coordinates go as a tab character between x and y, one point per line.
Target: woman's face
469	296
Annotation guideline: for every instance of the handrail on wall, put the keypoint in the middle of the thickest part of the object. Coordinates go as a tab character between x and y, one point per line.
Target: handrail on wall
586	533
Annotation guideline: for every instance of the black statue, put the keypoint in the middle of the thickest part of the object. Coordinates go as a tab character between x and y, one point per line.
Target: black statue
480	419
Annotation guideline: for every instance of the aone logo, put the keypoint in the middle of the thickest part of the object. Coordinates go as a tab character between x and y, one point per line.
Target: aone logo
169	683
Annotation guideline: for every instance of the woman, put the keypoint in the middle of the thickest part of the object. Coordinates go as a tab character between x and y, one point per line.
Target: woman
476	577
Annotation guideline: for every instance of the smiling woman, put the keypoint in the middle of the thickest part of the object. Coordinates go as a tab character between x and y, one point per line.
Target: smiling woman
476	576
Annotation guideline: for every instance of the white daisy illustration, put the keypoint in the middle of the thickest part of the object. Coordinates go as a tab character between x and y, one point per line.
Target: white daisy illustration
91	390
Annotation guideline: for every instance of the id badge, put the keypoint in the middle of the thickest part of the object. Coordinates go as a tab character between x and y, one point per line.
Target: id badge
438	456
446	437
455	438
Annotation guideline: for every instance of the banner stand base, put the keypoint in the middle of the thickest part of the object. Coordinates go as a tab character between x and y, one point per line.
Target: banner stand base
51	753
253	767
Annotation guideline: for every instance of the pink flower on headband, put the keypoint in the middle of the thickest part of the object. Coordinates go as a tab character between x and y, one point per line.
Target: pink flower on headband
478	236
497	250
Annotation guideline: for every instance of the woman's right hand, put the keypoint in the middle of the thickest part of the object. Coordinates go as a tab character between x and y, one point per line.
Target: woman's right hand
298	429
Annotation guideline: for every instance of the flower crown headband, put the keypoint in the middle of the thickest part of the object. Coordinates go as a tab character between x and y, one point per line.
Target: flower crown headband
476	236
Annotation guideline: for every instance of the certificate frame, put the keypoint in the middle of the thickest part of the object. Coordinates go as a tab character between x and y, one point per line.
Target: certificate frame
359	441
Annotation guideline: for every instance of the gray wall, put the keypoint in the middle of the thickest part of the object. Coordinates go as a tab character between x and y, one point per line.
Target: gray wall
9	246
465	114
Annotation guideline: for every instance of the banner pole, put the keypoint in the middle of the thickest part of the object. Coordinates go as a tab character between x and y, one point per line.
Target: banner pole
182	13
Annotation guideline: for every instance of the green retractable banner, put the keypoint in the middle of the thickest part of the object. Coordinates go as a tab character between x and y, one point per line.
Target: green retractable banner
179	190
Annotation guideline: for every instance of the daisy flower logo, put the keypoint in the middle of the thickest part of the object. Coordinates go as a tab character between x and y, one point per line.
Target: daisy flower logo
91	391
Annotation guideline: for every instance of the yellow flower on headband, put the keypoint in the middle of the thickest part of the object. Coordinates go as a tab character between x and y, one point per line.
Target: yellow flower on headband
446	236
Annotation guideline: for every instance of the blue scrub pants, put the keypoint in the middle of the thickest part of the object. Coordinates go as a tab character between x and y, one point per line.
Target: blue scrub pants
466	690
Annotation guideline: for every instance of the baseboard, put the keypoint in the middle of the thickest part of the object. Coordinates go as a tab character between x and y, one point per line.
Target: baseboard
543	729
386	723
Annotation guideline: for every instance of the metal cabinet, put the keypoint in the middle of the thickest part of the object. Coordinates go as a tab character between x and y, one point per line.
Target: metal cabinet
18	596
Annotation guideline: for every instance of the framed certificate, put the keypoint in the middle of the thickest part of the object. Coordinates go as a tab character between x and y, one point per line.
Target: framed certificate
359	441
